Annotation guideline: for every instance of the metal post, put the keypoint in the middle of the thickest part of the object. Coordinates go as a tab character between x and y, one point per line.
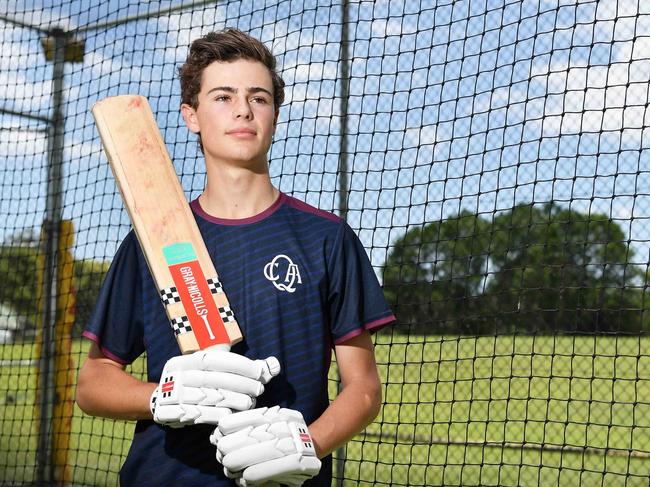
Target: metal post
345	60
45	463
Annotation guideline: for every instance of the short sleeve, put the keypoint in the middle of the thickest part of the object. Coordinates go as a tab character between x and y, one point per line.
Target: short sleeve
116	324
356	301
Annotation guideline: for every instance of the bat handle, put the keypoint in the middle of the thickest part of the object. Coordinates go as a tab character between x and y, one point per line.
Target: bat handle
270	369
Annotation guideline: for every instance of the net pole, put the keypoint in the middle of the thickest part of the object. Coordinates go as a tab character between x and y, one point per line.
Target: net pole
345	93
343	177
45	468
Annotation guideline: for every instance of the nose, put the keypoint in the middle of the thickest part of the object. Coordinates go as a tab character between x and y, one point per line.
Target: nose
242	109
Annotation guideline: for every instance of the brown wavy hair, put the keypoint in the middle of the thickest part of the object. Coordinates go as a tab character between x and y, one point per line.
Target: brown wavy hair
225	46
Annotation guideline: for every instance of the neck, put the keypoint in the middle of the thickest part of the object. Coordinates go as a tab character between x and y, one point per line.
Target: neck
236	193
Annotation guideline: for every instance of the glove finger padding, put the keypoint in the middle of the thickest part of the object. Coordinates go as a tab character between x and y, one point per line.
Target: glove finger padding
232	442
258	417
179	415
179	389
266	445
205	386
221	361
220	380
248	455
291	470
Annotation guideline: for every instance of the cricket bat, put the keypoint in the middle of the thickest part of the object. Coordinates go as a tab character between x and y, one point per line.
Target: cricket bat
187	281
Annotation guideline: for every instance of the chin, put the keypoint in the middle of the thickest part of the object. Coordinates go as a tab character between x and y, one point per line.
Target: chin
242	159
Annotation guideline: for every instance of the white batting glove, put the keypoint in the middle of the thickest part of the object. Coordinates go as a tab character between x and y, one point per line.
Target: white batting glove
266	446
205	386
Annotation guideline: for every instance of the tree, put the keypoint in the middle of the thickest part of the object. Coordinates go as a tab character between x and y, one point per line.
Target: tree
534	269
19	275
434	276
559	269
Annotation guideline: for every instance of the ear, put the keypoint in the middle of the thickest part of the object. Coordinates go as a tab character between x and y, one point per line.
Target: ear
191	120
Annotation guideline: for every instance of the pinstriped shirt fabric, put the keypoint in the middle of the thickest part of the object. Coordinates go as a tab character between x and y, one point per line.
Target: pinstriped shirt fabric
299	281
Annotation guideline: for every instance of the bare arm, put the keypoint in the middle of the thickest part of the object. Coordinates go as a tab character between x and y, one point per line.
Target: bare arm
359	401
105	389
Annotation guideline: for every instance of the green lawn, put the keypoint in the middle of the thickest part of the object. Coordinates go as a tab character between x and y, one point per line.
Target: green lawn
97	446
497	411
458	411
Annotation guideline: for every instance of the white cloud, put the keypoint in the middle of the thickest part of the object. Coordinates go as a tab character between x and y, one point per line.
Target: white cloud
607	94
23	143
607	9
427	134
25	80
184	27
80	150
392	26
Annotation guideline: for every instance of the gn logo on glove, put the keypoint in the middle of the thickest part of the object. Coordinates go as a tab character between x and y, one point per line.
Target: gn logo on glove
167	387
305	438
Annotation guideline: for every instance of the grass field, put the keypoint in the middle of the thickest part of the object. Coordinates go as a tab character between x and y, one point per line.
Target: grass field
518	411
97	446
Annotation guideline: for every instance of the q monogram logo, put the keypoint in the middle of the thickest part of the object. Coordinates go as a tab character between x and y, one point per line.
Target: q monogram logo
275	269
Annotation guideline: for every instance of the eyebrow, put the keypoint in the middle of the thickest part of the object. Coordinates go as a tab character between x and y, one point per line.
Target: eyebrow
250	90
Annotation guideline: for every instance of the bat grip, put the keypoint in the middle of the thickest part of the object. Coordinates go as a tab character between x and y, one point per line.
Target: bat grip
223	347
270	369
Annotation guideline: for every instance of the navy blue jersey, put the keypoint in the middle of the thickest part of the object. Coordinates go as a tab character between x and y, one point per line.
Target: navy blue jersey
299	281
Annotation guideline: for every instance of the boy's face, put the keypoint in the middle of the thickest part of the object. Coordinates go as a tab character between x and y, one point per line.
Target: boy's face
235	115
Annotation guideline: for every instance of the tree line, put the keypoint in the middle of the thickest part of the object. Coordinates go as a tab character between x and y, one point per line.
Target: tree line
532	269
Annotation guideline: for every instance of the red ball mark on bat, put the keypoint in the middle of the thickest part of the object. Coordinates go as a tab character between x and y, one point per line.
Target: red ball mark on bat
144	144
135	102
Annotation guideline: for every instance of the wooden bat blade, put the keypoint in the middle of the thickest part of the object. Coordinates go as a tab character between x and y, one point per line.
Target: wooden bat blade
179	262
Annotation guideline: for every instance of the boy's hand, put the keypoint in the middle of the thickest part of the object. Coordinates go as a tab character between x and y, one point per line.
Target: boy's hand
269	446
207	385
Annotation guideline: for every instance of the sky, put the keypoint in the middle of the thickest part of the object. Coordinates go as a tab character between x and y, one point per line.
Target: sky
452	106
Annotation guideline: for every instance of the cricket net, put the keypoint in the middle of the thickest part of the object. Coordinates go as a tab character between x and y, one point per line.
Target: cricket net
493	157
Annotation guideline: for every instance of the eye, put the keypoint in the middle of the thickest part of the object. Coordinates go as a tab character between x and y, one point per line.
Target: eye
259	99
221	98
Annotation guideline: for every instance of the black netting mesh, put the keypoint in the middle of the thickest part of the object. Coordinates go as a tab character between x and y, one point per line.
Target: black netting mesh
493	157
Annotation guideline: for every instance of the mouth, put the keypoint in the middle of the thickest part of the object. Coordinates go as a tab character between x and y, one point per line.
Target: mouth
242	132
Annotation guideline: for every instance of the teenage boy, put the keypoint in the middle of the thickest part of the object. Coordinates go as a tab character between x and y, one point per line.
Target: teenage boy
300	284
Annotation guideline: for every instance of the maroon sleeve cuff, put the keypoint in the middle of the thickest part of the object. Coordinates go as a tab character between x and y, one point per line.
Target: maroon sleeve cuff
372	327
108	353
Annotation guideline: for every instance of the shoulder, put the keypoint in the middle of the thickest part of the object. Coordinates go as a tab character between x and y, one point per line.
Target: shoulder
311	223
129	252
129	262
310	219
129	243
315	225
310	212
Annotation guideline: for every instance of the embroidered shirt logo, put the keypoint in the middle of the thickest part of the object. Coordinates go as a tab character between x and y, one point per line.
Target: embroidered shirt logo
283	273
